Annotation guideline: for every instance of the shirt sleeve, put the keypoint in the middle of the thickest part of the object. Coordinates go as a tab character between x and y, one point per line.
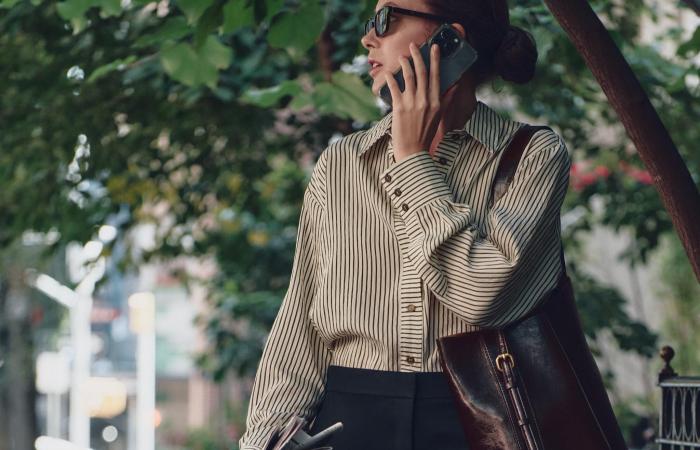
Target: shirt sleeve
290	378
493	276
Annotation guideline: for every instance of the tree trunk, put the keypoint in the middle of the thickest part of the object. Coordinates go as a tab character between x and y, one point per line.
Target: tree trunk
4	351
17	390
658	152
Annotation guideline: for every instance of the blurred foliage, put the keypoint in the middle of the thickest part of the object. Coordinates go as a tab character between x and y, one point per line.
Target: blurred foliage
28	325
203	439
639	429
204	118
602	308
680	294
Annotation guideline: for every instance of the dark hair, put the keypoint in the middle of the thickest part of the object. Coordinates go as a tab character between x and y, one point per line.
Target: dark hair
503	49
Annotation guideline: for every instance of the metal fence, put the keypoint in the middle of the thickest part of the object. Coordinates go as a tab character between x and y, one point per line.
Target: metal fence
679	418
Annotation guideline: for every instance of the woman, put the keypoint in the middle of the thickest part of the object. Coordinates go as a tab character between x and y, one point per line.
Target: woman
397	247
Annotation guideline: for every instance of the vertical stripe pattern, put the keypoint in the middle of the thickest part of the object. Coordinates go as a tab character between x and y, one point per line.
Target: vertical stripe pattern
391	256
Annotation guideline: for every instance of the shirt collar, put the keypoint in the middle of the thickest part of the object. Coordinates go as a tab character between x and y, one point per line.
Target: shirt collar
485	125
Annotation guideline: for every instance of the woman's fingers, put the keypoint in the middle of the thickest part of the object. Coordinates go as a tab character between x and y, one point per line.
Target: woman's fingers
394	89
409	79
434	74
421	76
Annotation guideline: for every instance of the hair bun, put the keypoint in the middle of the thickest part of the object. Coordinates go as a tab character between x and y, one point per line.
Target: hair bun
516	56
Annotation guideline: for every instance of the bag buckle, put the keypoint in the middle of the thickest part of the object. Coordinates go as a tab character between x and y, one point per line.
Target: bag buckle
502	358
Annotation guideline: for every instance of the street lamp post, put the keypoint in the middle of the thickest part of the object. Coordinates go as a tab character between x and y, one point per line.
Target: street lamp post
79	426
142	314
79	304
53	380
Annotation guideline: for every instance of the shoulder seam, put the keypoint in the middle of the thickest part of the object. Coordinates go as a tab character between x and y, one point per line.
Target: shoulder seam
542	140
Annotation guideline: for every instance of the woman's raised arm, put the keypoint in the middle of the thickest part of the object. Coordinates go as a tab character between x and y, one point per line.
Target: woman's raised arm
496	278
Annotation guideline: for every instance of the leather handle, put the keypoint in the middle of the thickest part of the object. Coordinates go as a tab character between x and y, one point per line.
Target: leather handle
504	175
510	159
509	163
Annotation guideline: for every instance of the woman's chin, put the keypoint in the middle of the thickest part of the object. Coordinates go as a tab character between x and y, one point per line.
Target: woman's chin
377	85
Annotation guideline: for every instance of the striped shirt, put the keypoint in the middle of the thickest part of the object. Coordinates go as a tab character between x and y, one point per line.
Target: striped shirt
391	256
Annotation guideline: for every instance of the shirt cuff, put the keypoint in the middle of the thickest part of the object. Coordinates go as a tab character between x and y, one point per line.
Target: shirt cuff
256	439
414	182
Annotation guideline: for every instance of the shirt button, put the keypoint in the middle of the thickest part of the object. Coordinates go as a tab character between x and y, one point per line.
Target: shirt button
397	191
404	207
411	308
387	178
443	160
410	359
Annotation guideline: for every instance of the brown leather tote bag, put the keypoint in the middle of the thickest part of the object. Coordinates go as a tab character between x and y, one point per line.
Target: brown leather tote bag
533	384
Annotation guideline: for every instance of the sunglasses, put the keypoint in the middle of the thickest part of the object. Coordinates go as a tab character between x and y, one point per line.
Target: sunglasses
381	19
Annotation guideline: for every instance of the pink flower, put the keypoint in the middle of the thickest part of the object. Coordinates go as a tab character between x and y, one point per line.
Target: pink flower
640	175
582	176
602	171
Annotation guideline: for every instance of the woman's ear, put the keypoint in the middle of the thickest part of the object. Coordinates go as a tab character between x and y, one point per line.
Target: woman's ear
460	29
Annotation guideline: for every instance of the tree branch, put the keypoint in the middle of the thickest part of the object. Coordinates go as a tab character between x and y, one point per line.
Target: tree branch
626	95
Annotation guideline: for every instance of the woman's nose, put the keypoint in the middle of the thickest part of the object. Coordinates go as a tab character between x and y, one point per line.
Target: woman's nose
369	39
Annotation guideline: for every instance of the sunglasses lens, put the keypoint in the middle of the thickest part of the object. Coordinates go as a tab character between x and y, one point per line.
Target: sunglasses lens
382	21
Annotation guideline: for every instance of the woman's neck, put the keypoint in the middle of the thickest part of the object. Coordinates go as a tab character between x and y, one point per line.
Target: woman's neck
457	105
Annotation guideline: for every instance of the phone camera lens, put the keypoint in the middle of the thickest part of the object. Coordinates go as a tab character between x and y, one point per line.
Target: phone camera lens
447	41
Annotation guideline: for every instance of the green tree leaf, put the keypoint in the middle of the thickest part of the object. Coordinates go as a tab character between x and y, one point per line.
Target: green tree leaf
346	97
268	97
297	29
195	67
210	21
182	63
215	53
237	15
193	9
73	9
174	28
107	68
109	8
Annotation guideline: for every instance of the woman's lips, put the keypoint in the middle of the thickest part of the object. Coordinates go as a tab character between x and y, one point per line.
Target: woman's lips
373	71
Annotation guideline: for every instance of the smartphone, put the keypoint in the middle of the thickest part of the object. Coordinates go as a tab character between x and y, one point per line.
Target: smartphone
321	438
456	56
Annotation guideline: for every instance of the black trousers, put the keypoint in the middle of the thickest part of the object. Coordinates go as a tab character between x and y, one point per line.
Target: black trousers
386	410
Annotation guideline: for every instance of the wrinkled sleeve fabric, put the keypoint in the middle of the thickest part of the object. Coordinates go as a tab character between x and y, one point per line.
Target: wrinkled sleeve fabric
291	374
493	276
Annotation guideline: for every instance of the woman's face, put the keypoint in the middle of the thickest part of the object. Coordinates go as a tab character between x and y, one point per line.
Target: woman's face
403	29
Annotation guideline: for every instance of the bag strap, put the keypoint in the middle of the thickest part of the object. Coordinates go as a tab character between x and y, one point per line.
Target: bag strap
510	159
504	175
509	163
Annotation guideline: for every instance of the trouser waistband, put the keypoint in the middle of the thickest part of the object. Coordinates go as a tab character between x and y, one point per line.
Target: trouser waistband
387	383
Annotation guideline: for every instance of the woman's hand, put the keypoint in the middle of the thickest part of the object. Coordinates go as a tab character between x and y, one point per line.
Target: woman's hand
415	110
